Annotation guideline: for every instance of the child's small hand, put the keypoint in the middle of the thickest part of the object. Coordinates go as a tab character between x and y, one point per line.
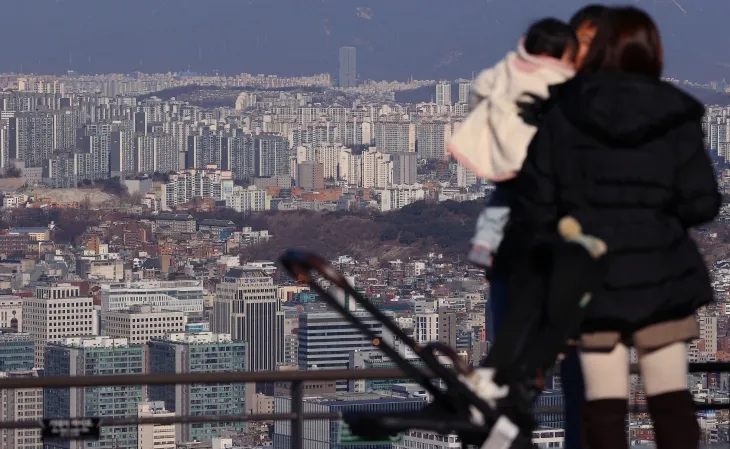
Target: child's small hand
481	256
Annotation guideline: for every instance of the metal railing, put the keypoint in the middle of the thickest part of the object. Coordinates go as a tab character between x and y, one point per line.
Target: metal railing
297	379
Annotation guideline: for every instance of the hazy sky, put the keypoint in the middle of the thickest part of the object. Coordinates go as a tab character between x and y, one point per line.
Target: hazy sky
395	38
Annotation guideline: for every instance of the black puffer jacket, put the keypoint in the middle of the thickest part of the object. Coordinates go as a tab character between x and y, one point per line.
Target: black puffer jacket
625	156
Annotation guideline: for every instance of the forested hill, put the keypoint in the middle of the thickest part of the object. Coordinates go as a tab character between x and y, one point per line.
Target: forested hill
417	229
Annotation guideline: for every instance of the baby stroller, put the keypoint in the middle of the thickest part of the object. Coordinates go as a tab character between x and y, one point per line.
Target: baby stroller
489	406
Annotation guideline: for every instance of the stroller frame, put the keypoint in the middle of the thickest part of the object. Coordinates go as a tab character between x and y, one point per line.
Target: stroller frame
458	409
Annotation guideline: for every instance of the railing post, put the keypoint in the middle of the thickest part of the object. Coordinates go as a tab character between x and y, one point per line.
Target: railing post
297	408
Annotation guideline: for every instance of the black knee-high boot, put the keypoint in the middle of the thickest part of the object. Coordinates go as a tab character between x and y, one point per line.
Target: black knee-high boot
675	420
604	423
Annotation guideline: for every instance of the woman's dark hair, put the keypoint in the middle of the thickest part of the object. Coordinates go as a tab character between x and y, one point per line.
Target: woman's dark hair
590	14
627	40
550	37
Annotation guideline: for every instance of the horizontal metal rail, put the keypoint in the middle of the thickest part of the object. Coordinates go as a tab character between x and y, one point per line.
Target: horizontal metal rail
294	377
200	378
250	377
166	420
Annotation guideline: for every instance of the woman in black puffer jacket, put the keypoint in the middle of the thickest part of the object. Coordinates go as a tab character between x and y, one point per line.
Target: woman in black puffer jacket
622	152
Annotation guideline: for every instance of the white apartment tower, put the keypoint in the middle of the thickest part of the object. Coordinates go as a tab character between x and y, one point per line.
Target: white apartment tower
56	312
377	169
443	93
247	307
464	91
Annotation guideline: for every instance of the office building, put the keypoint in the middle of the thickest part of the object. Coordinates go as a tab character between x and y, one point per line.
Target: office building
348	67
17	352
57	311
95	356
247	307
194	353
321	434
326	340
140	324
182	296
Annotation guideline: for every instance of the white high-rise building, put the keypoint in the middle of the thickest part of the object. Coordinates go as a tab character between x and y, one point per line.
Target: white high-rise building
57	311
328	156
443	93
398	196
377	169
464	91
247	307
187	185
248	199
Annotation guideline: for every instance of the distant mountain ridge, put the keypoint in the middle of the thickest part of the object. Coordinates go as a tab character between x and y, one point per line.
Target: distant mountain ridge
396	39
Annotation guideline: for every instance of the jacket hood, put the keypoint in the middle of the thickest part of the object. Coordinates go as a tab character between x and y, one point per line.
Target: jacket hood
625	109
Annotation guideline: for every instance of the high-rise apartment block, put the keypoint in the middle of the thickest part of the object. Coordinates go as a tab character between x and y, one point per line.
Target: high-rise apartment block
310	175
432	138
348	67
405	168
203	352
464	91
443	93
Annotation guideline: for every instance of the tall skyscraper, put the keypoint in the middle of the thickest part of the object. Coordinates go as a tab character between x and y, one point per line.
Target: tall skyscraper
195	353
247	307
348	67
443	93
